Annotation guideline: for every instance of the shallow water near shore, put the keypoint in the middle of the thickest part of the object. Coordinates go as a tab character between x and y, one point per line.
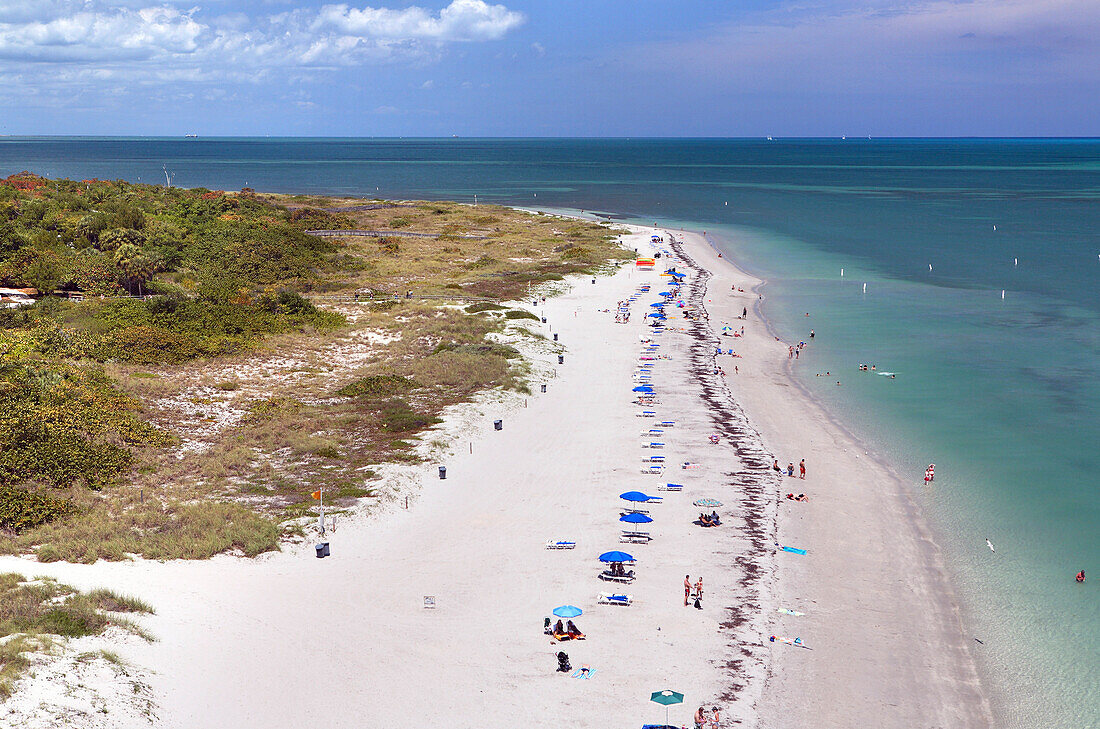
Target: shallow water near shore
1000	394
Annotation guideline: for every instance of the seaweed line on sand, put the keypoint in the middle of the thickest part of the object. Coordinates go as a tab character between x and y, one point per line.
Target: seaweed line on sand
754	482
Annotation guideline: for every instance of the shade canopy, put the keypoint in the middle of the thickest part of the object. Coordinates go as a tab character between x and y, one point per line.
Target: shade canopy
633	518
667	697
616	556
568	611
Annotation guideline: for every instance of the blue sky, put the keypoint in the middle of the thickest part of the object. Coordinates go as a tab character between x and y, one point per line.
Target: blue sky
550	68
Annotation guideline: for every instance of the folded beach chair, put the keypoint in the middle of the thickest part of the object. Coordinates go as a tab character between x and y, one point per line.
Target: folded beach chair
653	445
653	470
653	459
647	414
628	537
667	423
559	544
611	598
633	510
671	487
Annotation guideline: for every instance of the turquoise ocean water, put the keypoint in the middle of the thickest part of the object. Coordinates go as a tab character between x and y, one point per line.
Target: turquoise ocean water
1002	394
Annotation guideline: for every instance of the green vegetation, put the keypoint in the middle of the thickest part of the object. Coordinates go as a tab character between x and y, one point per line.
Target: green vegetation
33	613
200	367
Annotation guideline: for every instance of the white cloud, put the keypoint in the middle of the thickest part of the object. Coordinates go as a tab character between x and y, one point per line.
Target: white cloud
97	35
539	49
427	84
462	20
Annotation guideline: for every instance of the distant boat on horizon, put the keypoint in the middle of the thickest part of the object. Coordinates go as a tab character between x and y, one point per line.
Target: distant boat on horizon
189	136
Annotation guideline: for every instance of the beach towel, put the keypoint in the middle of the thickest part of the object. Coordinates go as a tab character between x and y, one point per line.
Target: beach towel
793	550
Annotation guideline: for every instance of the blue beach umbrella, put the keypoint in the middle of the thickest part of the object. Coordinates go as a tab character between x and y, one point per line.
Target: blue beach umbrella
568	611
633	518
643	388
657	305
616	556
634	496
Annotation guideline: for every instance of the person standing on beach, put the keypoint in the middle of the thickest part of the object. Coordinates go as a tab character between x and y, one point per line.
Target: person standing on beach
699	593
715	718
744	312
802	469
687	590
700	718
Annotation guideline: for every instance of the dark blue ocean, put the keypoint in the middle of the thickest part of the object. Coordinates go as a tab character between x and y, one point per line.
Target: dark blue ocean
1001	392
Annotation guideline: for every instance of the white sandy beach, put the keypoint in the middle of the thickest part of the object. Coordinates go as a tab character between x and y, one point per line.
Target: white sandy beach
289	640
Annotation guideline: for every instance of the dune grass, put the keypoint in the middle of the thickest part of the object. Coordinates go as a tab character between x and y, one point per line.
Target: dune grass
309	422
35	613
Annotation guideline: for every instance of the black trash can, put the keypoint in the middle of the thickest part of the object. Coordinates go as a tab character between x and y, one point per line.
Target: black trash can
555	336
442	472
593	280
544	320
561	359
542	388
325	545
498	425
320	551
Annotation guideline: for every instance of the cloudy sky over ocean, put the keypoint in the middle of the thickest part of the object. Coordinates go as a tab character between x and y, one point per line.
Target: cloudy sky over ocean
551	67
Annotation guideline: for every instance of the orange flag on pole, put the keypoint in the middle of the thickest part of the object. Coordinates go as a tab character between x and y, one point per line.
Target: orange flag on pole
316	494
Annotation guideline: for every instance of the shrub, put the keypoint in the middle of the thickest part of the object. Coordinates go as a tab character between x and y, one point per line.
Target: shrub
21	509
519	314
398	417
483	306
376	386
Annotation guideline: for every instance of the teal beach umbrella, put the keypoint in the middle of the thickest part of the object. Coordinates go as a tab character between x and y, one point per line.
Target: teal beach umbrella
667	697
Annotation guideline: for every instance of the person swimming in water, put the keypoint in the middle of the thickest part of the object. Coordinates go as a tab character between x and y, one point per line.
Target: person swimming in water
1080	576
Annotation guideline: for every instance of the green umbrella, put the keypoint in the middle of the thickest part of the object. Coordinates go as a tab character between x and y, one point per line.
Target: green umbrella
667	697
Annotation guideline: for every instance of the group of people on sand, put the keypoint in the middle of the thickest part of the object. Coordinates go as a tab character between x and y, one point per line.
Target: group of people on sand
709	520
702	720
693	592
790	468
569	631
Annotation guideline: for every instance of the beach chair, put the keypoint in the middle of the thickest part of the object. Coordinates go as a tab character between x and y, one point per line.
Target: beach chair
622	579
667	423
634	510
635	537
611	598
653	470
647	414
671	487
653	445
653	459
559	544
